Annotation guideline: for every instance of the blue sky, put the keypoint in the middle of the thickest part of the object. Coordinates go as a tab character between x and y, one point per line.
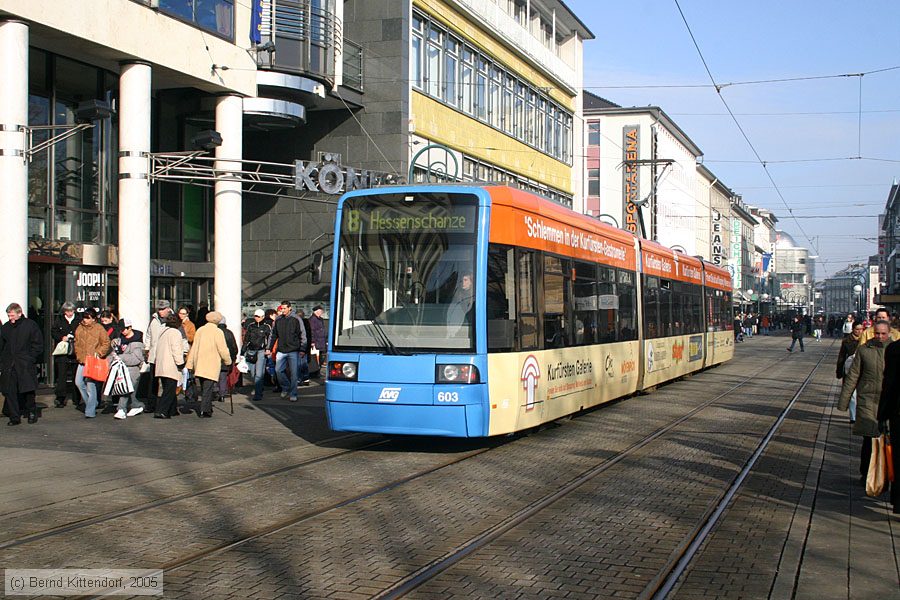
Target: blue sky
644	42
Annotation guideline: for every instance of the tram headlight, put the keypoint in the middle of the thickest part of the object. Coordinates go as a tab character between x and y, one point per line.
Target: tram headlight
457	374
342	370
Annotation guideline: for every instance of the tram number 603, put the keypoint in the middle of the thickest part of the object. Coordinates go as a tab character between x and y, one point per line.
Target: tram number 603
448	397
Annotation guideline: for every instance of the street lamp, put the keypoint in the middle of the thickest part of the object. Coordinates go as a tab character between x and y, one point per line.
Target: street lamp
749	294
857	289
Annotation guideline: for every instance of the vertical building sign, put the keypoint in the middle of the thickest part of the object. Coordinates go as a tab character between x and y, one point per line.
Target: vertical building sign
736	253
631	183
718	246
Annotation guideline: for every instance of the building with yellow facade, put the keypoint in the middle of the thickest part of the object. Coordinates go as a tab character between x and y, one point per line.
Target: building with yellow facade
499	84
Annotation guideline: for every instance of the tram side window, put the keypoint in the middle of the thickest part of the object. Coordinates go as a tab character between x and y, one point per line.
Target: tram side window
586	304
696	309
528	329
626	293
556	300
651	307
501	299
665	307
609	304
679	297
727	323
712	310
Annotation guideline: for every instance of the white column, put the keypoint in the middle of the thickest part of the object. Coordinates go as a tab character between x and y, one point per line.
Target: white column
13	168
134	193
227	254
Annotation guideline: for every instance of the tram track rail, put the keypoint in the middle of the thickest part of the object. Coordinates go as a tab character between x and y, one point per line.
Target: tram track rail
663	584
665	579
433	569
116	514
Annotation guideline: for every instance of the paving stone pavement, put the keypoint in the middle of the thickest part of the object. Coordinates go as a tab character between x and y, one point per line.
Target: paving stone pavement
608	539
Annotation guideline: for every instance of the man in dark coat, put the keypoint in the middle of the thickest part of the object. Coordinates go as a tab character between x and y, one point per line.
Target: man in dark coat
797	328
889	412
289	335
21	347
65	365
319	337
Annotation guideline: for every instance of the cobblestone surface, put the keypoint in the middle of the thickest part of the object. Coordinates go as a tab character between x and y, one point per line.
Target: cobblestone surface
607	539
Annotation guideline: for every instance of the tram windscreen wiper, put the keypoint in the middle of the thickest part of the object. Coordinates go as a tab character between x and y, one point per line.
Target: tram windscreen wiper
382	338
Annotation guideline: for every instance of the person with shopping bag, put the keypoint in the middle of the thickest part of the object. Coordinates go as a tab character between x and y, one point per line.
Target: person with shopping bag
128	348
91	348
865	377
889	414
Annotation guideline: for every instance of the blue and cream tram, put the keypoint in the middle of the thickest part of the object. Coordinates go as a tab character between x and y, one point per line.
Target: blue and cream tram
472	310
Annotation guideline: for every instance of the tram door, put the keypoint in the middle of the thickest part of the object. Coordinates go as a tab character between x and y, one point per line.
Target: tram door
531	383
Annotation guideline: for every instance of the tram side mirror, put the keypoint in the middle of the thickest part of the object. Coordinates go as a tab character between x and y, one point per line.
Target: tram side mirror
315	269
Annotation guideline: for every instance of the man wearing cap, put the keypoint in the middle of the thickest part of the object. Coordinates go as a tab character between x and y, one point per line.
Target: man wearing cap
209	353
290	335
129	348
151	341
319	336
256	340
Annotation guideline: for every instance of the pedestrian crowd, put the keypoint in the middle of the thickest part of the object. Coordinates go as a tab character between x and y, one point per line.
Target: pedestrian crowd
868	364
182	362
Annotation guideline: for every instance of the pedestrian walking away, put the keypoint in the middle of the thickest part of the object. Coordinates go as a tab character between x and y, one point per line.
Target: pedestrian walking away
865	377
223	388
21	348
797	328
209	354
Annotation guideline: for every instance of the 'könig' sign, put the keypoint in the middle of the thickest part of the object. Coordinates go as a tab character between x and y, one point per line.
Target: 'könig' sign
329	177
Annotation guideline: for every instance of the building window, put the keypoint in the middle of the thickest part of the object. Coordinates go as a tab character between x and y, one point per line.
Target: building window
71	184
594	133
593	182
416	62
451	63
215	16
433	75
467	80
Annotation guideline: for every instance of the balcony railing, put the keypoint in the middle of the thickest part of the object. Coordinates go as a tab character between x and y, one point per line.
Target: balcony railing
306	37
353	65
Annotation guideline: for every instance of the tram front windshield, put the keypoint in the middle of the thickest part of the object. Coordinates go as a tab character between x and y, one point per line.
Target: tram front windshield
406	273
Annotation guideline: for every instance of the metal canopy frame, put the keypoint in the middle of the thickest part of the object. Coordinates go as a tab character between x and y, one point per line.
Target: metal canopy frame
194	167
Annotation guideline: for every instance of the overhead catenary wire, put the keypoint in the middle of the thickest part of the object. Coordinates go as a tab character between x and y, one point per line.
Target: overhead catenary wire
741	129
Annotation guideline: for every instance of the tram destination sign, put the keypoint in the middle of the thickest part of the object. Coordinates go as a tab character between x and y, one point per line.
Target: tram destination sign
381	219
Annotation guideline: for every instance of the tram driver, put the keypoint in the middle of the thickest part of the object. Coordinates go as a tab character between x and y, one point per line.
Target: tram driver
460	310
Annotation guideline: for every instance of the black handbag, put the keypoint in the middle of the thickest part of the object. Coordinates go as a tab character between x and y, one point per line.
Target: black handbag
250	356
